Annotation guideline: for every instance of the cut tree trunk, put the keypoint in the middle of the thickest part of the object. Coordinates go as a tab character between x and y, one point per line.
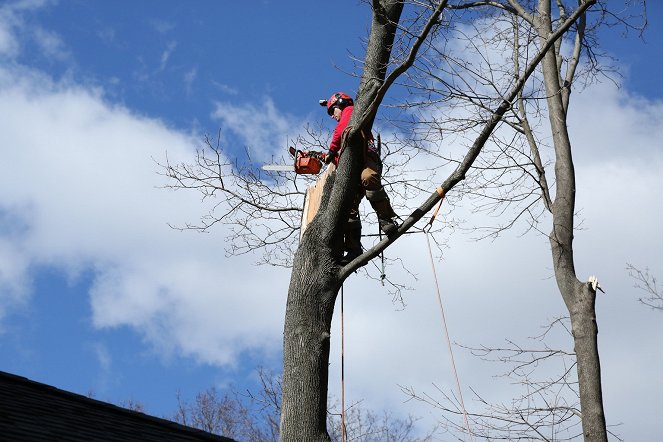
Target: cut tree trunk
316	279
578	297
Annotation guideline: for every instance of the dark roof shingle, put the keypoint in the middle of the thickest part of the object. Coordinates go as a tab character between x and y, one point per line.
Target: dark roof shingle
31	411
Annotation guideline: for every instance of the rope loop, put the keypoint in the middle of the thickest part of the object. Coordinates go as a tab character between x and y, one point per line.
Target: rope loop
427	227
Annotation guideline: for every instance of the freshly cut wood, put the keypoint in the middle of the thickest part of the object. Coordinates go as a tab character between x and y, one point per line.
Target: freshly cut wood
313	198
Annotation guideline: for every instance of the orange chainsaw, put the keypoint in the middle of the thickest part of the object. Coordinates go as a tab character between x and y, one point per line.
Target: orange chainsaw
306	162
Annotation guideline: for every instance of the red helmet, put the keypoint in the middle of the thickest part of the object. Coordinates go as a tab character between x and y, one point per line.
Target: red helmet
339	99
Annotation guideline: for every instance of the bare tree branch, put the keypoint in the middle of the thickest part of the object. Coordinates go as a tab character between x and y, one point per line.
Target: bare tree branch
472	153
648	283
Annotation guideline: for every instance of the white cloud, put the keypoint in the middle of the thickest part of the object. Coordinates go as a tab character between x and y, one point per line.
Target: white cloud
50	44
8	44
623	125
262	128
189	78
14	284
106	378
161	26
84	195
165	55
8	22
108	35
224	88
12	25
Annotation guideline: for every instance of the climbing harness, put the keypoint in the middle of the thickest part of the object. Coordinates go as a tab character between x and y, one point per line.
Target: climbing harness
426	230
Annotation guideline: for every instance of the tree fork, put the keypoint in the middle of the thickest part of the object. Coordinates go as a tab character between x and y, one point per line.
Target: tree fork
315	279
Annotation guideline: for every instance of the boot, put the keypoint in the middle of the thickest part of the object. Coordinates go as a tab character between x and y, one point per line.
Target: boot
388	226
382	206
352	241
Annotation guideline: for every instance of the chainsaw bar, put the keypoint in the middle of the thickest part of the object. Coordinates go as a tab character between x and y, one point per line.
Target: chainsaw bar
279	167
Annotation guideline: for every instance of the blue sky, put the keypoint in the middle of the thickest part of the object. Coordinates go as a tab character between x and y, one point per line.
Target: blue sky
98	295
174	59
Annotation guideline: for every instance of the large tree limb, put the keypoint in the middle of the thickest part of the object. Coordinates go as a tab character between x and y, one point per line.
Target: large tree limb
473	152
372	108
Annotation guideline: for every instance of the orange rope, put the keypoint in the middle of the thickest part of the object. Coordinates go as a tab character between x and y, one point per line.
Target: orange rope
446	332
440	191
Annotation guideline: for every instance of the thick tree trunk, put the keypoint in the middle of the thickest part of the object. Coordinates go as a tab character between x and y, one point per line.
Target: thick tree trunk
585	332
315	279
579	297
306	343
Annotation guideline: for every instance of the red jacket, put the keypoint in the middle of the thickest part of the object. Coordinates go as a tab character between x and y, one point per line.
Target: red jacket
335	145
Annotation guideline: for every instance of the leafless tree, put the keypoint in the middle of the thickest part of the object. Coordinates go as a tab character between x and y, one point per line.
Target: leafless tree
394	46
543	386
253	416
133	405
368	426
513	174
262	211
231	415
648	283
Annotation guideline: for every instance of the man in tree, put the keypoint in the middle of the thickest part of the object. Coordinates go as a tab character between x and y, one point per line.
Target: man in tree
340	107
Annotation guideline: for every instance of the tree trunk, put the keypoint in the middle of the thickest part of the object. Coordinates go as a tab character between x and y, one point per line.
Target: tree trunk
585	332
315	279
306	337
579	297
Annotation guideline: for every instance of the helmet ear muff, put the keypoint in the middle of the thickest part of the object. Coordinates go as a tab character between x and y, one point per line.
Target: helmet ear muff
339	99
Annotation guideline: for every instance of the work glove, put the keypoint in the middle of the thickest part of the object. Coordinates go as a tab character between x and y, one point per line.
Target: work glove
329	157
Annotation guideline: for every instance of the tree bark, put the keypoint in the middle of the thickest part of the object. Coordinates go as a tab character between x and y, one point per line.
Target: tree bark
316	277
579	297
